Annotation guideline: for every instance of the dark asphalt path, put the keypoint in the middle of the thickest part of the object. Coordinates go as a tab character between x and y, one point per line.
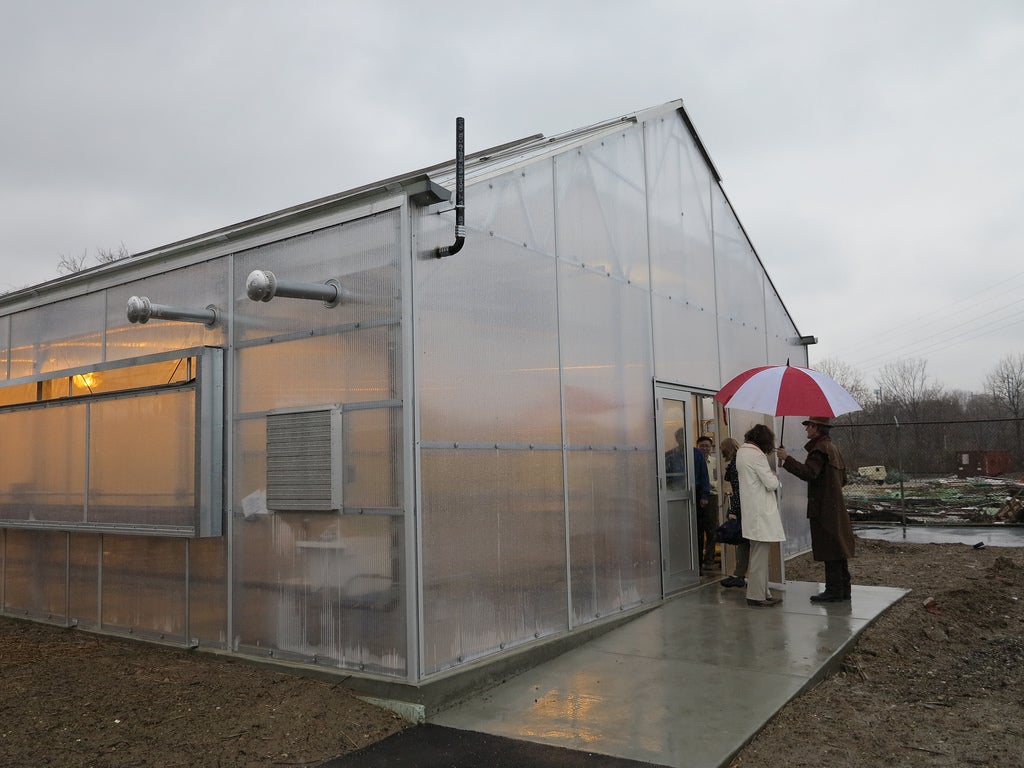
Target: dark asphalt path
435	746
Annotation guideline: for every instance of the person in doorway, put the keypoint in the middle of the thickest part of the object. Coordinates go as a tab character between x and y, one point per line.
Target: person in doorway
675	462
762	524
832	540
707	512
731	476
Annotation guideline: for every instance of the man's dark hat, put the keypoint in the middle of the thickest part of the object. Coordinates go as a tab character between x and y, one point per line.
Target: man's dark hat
824	421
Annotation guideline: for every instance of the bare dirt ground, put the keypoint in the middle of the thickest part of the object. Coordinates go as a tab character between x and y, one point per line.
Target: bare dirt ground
935	686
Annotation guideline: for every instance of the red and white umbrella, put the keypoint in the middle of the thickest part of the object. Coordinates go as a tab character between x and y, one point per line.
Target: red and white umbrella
787	390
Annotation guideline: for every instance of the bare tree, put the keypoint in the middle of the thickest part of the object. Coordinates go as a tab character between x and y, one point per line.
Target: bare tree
68	264
107	255
1005	384
905	388
906	396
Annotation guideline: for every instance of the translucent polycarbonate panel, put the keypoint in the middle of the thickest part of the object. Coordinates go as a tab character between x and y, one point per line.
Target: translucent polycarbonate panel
487	346
613	523
685	344
83	595
373	458
19	393
5	347
194	287
742	346
142	459
494	571
679	200
35	574
606	359
793	499
517	206
144	585
362	255
250	467
358	365
42	464
324	588
601	206
207	591
65	334
738	273
783	342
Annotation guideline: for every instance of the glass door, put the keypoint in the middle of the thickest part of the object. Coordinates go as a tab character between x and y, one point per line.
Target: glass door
679	565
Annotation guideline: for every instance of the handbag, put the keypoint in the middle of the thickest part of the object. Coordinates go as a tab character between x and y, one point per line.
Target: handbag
729	532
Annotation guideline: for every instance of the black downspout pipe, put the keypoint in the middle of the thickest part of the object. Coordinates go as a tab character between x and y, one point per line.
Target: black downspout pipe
460	192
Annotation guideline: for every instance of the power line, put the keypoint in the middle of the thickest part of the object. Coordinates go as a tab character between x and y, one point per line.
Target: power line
914	326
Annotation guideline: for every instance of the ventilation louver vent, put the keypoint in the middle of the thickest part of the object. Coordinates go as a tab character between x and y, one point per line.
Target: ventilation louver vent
304	460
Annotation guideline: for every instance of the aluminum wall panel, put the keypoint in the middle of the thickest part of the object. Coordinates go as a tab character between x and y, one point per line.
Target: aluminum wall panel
614	547
606	359
487	345
326	589
494	572
195	287
601	207
143	586
66	334
35	574
680	216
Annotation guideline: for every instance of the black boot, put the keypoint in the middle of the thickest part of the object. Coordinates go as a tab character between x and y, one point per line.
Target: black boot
835	596
835	591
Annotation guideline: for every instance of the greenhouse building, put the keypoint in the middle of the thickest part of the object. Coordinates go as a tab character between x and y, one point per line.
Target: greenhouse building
400	433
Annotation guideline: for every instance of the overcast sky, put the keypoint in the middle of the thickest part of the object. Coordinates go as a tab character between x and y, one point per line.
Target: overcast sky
874	150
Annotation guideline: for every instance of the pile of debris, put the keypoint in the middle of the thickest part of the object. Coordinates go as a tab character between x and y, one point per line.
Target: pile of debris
939	501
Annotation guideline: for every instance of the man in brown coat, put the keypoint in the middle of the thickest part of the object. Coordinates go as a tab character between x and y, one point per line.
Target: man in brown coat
832	539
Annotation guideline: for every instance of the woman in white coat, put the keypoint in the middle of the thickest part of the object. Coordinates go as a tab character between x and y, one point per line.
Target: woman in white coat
762	523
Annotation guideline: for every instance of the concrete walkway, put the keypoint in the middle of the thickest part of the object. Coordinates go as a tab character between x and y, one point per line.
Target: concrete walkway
686	685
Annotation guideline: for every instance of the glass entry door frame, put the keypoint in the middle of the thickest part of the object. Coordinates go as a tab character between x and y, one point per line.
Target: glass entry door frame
680	566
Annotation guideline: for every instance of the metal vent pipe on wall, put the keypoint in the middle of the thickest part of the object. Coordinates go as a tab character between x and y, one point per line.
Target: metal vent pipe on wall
460	191
140	309
262	285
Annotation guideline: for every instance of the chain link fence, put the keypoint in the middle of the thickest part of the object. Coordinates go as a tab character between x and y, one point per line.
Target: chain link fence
950	472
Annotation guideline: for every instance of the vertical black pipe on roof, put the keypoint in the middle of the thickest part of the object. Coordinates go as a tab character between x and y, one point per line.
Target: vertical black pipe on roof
460	192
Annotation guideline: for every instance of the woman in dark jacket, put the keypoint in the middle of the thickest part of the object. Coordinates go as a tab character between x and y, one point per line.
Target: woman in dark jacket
739	574
832	540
